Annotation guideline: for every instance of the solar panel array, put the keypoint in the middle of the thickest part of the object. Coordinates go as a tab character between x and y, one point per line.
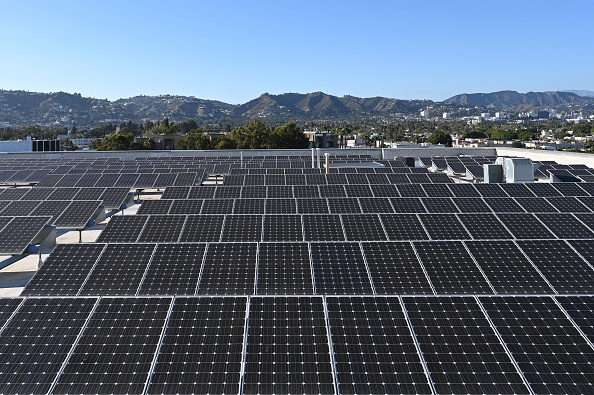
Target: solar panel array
322	288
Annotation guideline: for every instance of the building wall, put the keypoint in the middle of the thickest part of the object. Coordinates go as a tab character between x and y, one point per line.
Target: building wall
16	146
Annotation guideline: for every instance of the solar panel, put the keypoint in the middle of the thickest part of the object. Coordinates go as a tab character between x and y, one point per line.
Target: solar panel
242	228
78	214
202	228
176	192
185	179
548	349
565	226
254	192
395	269
282	228
174	270
50	180
227	192
36	193
570	204
229	269
218	206
451	268
384	190
541	189
471	205
284	269
331	191
536	205
339	269
20	207
160	206
569	189
249	206
19	233
281	206
363	227
403	227
503	205
525	226
517	190
106	180
7	308
200	331
443	226
306	191
407	205
113	198
375	205
185	206
115	352
463	190
119	270
484	226
507	268
343	205
292	357
373	348
64	271
411	190
162	228
437	190
37	341
280	191
565	270
580	309
490	190
312	206
202	192
439	205
165	180
462	351
322	228
123	228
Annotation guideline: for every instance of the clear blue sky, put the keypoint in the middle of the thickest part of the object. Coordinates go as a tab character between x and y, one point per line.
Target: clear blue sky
234	51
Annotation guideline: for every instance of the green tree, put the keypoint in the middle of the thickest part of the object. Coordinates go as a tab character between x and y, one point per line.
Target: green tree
474	134
196	139
288	136
440	138
518	144
117	142
225	142
253	136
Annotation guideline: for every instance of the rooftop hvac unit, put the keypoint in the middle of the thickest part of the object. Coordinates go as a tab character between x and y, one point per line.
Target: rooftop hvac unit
493	173
517	170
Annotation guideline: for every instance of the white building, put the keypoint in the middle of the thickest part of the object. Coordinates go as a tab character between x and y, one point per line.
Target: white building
425	114
446	115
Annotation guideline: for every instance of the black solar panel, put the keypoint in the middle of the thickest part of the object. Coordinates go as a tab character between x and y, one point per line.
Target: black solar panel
548	349
384	190
407	205
183	206
439	205
395	269
322	228
16	236
229	269
451	268
331	191
363	227
161	206
202	192
174	270
565	226
570	204
484	226
312	206
284	269
490	190
78	214
122	228
339	269
282	228
306	191
254	192
507	268
463	190
471	205
373	347
561	265
162	228
201	351
115	352
202	228
37	341
176	193
64	271
443	226
437	190
581	311
20	207
536	205
410	190
375	205
503	205
242	228
462	351
358	190
218	206
292	357
569	189
343	205
119	270
280	191
249	206
525	226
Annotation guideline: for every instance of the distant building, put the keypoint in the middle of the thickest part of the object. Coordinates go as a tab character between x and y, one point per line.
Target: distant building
446	115
543	114
163	142
424	113
30	145
485	116
322	139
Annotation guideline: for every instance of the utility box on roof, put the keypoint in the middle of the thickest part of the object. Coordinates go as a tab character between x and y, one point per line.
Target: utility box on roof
518	170
493	173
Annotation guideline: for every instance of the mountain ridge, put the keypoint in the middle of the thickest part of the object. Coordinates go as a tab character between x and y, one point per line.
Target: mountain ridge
22	108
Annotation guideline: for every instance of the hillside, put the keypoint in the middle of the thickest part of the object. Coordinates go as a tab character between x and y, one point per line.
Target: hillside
514	101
